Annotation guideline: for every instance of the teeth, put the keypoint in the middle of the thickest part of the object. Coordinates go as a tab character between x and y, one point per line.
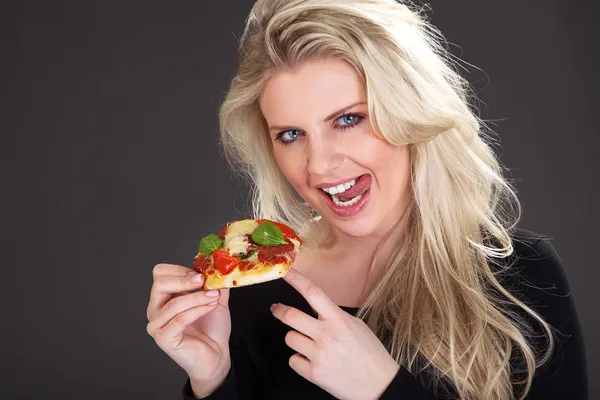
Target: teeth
337	201
341	188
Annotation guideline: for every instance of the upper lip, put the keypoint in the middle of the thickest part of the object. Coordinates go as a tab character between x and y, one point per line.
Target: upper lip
338	182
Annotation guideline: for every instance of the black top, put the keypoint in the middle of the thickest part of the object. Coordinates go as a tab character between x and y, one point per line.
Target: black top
260	356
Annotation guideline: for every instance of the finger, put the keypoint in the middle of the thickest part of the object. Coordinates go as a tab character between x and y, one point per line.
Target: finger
224	297
165	286
178	305
302	366
171	335
314	295
297	319
301	343
169	269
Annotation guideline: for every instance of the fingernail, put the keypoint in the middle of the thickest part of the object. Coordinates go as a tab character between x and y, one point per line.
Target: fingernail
212	293
272	307
196	278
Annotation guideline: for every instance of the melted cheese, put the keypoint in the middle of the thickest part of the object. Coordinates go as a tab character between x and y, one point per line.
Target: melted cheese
235	237
241	228
253	258
236	245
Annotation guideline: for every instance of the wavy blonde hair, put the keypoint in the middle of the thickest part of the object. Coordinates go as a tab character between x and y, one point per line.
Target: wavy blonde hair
439	304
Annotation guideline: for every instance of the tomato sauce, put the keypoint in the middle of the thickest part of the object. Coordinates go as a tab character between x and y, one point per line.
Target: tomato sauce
246	265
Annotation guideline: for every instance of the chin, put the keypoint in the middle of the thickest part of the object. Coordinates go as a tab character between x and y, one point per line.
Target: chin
357	228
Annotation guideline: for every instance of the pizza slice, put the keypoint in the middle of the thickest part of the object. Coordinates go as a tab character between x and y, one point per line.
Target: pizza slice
246	252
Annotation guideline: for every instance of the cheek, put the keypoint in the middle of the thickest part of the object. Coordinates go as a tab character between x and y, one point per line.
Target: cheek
381	155
290	163
370	149
400	158
393	165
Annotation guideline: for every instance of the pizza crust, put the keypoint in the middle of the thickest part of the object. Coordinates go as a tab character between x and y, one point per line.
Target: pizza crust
237	278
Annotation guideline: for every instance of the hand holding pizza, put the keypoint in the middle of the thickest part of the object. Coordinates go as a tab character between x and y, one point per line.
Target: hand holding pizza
188	312
189	324
337	351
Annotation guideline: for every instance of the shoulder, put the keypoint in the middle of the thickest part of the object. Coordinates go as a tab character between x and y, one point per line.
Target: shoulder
535	264
535	258
528	244
536	275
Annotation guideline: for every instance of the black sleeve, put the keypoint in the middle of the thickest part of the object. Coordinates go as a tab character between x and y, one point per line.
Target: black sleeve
564	376
406	386
226	391
241	382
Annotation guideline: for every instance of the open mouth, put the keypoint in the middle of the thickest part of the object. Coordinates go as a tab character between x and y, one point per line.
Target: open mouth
349	193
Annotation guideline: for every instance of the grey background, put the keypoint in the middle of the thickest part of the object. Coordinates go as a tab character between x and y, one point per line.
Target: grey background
110	165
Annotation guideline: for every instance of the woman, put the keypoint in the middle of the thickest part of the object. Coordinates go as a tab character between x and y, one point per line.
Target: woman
414	282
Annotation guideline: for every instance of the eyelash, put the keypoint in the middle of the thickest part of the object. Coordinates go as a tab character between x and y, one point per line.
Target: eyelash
359	119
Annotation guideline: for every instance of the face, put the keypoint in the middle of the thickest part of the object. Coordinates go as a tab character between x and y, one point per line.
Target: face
327	149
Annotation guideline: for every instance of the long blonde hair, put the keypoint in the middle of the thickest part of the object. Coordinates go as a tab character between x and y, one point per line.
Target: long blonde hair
439	302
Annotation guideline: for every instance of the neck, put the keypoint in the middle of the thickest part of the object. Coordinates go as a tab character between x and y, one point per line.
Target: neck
359	252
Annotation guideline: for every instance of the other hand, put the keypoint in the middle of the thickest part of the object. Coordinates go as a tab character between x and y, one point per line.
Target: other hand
338	352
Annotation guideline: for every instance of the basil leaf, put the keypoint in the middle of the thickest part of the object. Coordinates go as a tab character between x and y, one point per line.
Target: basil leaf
268	234
209	243
243	256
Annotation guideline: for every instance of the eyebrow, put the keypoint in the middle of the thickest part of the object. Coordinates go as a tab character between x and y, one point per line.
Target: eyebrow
328	118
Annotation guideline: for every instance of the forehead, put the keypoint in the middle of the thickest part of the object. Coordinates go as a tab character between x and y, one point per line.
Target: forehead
312	90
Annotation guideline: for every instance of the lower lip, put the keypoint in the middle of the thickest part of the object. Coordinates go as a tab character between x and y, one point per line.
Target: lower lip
347	211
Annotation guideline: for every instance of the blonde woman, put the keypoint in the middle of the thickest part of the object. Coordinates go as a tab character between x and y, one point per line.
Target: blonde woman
354	127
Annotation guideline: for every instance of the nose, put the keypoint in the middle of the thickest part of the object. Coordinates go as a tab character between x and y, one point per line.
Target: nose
323	155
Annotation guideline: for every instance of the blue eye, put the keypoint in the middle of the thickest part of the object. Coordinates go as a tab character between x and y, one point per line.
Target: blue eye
349	118
289	136
348	121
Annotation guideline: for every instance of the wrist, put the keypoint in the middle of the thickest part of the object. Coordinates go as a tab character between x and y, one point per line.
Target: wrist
204	387
387	376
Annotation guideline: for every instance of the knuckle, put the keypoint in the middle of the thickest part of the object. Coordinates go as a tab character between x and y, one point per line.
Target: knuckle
295	359
319	331
172	304
148	313
326	338
318	373
326	341
150	329
159	284
156	271
314	291
185	282
289	337
287	313
181	319
159	338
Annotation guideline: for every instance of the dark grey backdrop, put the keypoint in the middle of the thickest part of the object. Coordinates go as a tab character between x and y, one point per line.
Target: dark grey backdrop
110	166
